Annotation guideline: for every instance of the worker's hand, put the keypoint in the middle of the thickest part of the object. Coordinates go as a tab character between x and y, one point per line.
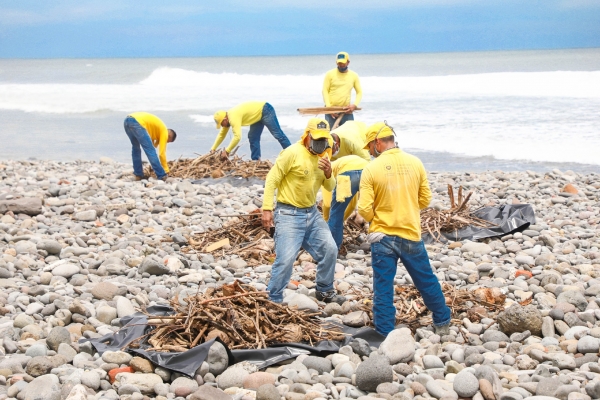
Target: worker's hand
325	166
267	219
212	151
224	155
350	109
334	116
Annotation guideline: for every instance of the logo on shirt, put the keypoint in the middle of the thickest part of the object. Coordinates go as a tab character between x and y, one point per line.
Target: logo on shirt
388	167
305	172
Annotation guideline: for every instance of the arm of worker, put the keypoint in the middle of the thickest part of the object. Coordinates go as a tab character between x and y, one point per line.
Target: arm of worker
237	136
274	177
358	90
162	149
424	190
219	139
367	196
325	166
326	86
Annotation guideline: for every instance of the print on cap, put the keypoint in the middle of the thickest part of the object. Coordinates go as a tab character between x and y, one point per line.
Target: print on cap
321	125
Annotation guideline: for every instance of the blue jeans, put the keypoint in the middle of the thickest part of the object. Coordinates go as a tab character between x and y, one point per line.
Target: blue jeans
331	120
140	137
385	255
306	228
269	119
336	214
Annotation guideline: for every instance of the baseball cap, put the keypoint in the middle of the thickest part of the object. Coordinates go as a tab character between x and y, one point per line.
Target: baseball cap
219	117
378	130
318	129
342	57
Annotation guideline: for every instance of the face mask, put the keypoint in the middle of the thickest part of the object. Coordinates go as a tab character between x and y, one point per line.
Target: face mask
318	146
342	69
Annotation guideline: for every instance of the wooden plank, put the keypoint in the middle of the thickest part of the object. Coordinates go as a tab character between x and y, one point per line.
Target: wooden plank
217	245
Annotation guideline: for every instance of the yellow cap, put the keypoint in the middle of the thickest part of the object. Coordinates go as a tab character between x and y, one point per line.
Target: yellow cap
342	57
318	128
378	130
219	117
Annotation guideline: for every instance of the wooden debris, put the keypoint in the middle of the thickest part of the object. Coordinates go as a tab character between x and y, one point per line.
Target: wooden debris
322	110
240	316
457	217
244	234
411	309
211	166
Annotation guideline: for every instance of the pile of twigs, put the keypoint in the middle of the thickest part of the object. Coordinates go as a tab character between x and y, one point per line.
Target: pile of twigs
458	216
411	309
354	236
212	166
240	316
247	239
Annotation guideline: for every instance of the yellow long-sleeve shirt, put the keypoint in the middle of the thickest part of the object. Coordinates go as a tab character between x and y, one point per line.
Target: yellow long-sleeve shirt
297	178
241	115
352	140
339	166
158	133
393	190
337	88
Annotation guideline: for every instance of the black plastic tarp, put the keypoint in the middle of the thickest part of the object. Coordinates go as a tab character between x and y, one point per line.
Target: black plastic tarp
188	362
506	219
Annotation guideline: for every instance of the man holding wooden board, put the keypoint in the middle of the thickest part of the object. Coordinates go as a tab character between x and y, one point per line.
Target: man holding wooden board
337	89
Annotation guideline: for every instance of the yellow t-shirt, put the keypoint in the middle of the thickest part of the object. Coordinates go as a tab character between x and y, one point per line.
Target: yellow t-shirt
158	133
352	140
241	115
393	190
337	88
297	178
339	166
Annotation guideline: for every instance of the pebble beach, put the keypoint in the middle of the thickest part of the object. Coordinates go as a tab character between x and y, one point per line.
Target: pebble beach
82	245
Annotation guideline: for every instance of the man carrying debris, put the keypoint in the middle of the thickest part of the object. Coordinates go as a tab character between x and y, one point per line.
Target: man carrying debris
257	114
148	131
298	173
337	89
393	190
338	206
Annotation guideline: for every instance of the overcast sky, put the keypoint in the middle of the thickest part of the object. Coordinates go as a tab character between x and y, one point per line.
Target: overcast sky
173	28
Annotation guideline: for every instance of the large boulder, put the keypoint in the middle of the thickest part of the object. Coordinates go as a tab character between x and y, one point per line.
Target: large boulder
373	371
45	387
398	346
517	318
27	205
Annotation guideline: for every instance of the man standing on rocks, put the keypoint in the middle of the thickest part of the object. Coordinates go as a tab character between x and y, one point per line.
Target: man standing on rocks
257	114
337	89
298	173
148	131
393	190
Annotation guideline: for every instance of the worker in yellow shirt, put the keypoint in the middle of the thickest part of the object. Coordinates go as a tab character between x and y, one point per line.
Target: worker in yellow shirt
298	173
393	190
339	204
148	132
349	139
257	114
337	89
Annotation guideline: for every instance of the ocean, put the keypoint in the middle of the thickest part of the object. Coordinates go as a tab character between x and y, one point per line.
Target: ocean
504	110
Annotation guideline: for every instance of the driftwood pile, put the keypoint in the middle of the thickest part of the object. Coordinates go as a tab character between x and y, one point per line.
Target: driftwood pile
240	316
457	217
475	305
243	236
211	166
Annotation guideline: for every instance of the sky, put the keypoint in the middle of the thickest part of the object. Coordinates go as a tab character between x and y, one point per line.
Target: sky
185	28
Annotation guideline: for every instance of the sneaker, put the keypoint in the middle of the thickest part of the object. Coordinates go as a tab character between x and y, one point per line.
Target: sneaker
139	178
442	330
330	297
164	178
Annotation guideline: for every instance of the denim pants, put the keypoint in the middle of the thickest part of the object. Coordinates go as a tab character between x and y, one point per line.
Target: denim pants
306	228
331	120
385	255
336	214
140	137
269	119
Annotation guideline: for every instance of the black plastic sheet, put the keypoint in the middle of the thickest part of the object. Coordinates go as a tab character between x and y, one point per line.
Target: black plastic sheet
188	362
507	219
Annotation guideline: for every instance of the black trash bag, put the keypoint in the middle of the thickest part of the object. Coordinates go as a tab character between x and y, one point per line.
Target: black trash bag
507	219
189	361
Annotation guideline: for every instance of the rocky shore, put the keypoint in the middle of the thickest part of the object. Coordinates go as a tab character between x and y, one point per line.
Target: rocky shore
82	246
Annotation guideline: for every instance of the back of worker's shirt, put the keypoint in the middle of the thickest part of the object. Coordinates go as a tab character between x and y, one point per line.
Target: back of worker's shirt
393	190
